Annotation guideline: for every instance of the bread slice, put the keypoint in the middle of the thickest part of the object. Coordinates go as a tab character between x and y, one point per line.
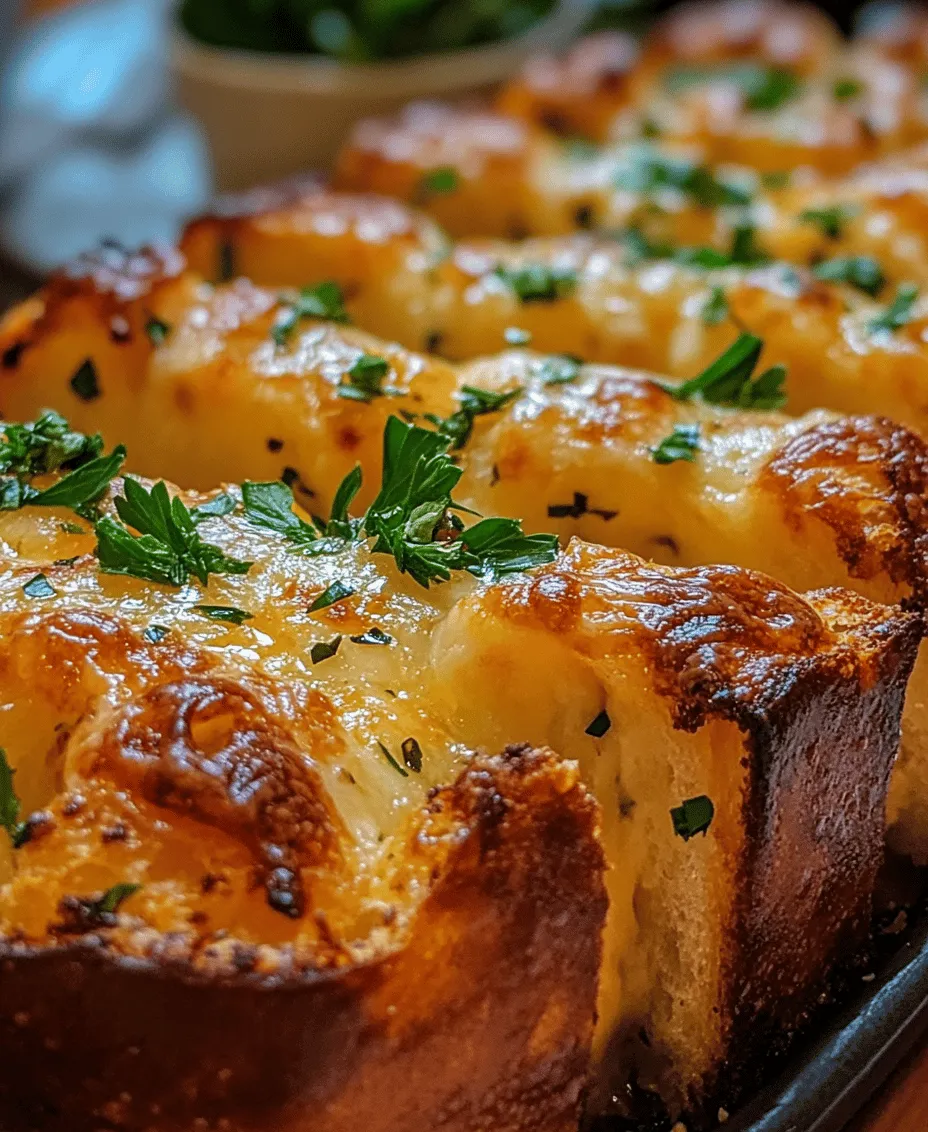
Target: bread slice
579	295
815	501
336	924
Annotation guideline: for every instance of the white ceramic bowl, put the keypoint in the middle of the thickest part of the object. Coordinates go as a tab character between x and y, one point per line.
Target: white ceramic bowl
268	116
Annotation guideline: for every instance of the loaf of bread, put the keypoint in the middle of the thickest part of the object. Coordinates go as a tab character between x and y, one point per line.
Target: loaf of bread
192	378
259	879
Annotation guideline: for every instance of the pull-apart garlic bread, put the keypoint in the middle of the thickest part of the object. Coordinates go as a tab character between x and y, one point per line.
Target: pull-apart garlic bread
207	384
581	295
766	84
483	174
257	877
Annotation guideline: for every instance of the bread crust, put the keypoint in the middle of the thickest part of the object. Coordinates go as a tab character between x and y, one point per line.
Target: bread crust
497	1035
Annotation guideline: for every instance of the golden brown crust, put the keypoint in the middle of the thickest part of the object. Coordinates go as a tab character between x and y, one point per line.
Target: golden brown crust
87	1036
814	472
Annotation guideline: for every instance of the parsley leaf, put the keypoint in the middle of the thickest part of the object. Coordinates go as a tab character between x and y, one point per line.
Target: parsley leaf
715	308
324	301
444	179
111	900
558	369
860	271
10	807
39	586
85	382
45	445
228	613
539	282
392	761
157	330
681	444
334	592
219	505
830	219
474	403
81	487
600	725
730	380
899	311
167	549
694	816
650	171
373	636
847	88
762	87
270	505
411	517
365	379
324	650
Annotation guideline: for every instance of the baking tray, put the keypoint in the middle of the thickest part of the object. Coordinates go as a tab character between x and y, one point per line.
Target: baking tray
843	1061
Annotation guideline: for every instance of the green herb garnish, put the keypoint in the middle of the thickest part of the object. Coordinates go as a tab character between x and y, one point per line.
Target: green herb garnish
600	725
681	444
336	591
474	403
39	586
847	88
113	899
730	380
154	634
85	382
215	508
392	761
762	87
715	308
365	379
373	636
324	301
324	650
558	369
168	549
650	172
539	282
830	219
860	271
228	613
10	806
899	311
694	816
157	330
439	181
412	754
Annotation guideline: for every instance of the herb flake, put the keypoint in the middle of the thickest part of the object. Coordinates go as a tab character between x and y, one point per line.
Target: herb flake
600	725
324	650
681	444
10	807
693	816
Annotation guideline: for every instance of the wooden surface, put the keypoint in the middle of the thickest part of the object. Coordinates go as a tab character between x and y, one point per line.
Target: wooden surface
902	1104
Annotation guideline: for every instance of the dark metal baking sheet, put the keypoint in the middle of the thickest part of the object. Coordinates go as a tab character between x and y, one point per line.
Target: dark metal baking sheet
826	1083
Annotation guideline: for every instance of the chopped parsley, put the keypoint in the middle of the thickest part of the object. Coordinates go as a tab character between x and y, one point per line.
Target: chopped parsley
776	179
412	754
228	613
475	403
219	505
715	308
558	369
899	311
336	591
392	761
226	261
167	549
412	519
46	445
157	330
580	506
539	282
847	88
373	636
444	179
324	301
154	634
600	725
650	172
830	219
762	87
694	816
39	586
365	379
324	650
860	271
730	379
681	444
113	899
10	807
85	382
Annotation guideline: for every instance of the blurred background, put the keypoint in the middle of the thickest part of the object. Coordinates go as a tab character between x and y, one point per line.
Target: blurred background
94	143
